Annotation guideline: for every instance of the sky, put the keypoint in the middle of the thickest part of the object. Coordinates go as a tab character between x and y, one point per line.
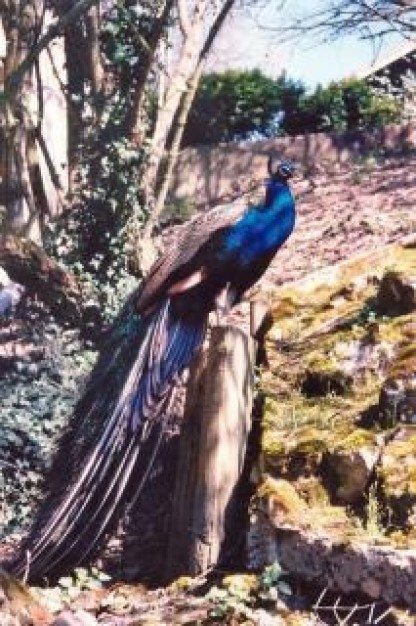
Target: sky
243	44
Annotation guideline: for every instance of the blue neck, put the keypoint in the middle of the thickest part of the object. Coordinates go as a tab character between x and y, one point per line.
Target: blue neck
264	228
273	188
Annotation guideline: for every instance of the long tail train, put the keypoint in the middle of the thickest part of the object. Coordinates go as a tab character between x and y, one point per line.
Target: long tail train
99	468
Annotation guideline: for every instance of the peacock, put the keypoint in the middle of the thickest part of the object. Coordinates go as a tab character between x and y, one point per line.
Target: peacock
106	455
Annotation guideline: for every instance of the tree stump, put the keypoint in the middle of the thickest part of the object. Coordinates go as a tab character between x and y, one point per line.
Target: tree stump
212	451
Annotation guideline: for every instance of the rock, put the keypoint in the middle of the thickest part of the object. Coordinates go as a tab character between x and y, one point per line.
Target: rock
76	618
262	546
396	294
10	297
322	383
371	588
397	474
353	469
398	401
350	568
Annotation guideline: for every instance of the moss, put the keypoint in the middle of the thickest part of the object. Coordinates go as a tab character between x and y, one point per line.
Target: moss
403	259
399	450
326	321
397	474
272	444
243	583
312	491
359	438
310	447
398	483
281	496
405	362
182	583
399	539
270	410
286	307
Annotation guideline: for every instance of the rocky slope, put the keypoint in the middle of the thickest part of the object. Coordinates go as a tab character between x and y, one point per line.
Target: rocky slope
339	427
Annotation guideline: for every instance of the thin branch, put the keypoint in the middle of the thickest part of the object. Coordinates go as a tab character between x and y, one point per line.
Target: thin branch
184	21
39	92
133	118
350	16
382	616
182	116
48	159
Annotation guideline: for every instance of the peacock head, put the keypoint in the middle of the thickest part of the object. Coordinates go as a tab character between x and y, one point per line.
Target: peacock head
280	170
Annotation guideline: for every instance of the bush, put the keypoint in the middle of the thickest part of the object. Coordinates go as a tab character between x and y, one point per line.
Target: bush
236	105
347	105
241	105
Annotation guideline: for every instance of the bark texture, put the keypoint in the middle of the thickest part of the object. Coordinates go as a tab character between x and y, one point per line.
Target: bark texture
212	452
27	264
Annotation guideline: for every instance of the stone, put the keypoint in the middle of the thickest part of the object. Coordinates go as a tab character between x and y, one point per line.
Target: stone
316	384
76	618
371	588
353	470
397	474
10	297
398	400
396	294
262	546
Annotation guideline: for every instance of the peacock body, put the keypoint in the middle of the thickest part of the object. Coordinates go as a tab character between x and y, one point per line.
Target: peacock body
105	457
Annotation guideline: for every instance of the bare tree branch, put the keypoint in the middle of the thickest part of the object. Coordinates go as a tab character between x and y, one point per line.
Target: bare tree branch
371	20
184	21
183	112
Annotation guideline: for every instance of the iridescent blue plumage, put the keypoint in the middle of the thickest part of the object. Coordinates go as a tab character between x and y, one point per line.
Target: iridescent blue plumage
104	458
263	229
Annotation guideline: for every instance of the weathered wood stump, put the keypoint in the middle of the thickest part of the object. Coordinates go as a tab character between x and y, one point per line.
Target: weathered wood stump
212	451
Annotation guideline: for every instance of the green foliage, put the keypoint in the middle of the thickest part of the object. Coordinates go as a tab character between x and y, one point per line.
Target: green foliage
347	105
37	398
69	588
229	602
271	583
236	105
92	238
240	593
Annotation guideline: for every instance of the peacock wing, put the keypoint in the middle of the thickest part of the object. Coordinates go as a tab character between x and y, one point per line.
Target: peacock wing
190	239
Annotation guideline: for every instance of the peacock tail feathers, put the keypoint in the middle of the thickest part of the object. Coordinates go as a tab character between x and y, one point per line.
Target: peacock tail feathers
98	470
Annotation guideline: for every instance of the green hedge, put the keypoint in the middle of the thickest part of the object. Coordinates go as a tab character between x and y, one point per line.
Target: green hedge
236	105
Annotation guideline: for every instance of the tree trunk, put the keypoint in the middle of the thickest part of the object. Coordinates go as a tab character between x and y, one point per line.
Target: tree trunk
212	452
18	196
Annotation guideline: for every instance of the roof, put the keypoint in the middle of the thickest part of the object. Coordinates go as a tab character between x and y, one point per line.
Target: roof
408	48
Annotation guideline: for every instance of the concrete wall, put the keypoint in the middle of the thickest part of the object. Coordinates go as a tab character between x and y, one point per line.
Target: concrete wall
205	175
